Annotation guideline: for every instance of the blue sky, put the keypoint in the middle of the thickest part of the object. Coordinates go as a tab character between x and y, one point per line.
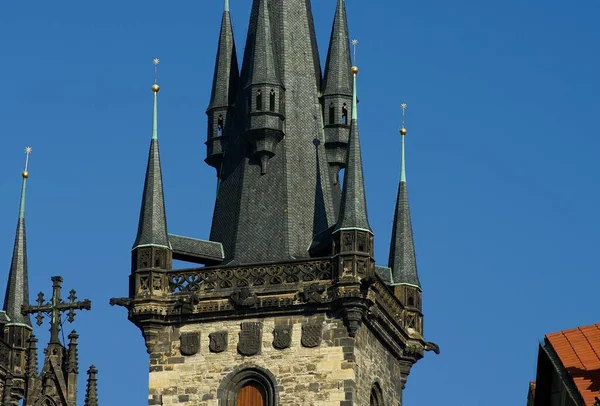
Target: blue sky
501	156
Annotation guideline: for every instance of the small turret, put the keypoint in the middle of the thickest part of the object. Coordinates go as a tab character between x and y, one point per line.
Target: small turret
337	97
221	110
263	90
91	393
72	367
352	235
152	249
402	261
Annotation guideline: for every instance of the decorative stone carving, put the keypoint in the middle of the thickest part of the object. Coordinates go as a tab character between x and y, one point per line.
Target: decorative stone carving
312	294
429	346
243	298
120	301
189	343
250	339
312	335
218	341
353	319
282	337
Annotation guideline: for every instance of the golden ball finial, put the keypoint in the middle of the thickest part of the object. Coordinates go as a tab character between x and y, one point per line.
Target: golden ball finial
403	131
155	88
25	174
354	70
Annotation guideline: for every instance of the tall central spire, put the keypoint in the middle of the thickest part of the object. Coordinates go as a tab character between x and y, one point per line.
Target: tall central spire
17	289
271	213
152	228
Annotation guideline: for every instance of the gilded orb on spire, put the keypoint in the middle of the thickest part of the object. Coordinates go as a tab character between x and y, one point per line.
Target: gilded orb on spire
354	68
155	86
403	130
25	173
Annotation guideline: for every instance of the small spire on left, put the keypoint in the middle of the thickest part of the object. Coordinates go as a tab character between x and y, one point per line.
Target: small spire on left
155	87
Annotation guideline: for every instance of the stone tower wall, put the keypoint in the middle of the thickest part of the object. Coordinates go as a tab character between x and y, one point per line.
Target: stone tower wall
338	372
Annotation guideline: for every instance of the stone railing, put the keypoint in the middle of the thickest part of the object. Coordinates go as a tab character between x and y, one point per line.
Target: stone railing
210	279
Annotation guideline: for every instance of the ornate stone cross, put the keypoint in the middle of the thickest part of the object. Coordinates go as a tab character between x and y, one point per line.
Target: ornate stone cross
55	307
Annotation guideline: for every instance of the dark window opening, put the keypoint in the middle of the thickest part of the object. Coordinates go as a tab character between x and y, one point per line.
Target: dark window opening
376	396
331	114
220	124
272	100
345	114
259	100
411	301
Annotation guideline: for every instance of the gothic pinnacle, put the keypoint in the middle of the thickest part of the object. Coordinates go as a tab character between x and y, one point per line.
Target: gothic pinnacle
152	228
402	259
17	289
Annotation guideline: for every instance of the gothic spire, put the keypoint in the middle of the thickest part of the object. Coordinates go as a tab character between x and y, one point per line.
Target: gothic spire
260	55
17	289
353	205
152	228
337	68
91	393
226	76
402	251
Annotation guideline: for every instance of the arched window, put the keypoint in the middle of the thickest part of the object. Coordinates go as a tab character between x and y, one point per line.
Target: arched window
259	100
345	114
251	394
331	114
272	100
251	386
220	124
376	396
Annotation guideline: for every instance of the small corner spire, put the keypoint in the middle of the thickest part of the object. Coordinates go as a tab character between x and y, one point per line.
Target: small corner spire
337	79
402	259
152	228
353	204
17	289
91	393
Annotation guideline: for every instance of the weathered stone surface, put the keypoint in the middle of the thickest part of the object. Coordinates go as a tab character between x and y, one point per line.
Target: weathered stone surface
340	371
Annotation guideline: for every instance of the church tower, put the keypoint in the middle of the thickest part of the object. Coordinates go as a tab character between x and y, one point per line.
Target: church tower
287	305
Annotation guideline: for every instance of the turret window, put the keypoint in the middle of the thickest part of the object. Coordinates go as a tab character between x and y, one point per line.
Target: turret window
411	301
220	125
345	114
272	100
259	100
376	396
331	114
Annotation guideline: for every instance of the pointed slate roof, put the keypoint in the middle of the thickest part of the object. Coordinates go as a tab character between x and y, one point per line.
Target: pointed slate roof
338	78
402	251
259	47
273	216
91	393
17	289
353	206
226	76
152	228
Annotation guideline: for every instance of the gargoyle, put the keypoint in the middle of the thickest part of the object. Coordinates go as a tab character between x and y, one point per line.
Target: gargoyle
429	346
120	301
243	298
312	294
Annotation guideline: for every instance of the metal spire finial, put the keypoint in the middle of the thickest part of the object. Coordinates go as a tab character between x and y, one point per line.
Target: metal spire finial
24	175
403	132
226	5
155	89
354	44
156	61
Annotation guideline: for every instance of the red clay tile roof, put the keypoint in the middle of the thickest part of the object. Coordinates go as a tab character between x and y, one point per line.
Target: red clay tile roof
579	350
